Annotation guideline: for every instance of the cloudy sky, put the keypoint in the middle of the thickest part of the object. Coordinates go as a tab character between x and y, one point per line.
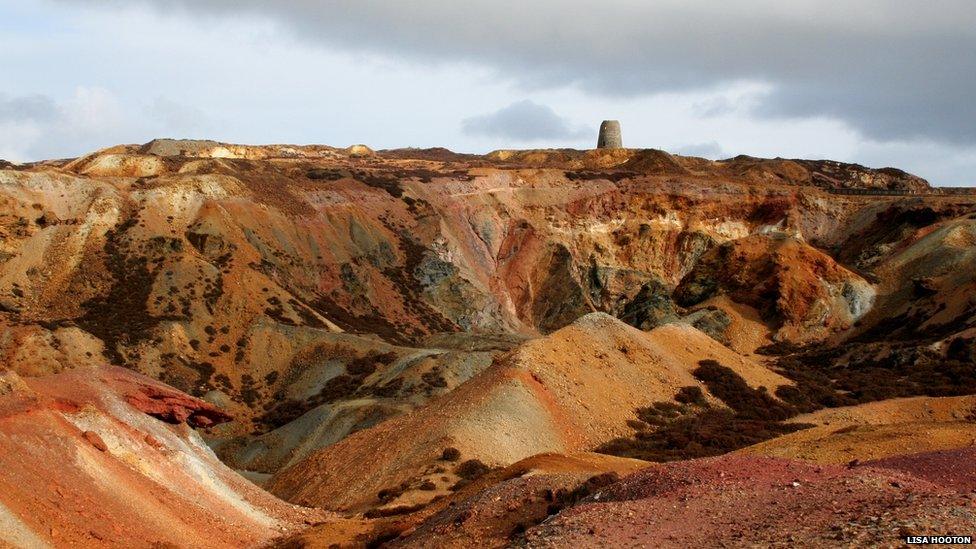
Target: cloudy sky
879	82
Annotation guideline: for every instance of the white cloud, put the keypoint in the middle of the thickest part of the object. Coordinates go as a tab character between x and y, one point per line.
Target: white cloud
178	117
90	118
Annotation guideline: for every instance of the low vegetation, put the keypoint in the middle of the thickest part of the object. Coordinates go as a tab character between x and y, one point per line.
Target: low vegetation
690	427
341	386
860	373
563	498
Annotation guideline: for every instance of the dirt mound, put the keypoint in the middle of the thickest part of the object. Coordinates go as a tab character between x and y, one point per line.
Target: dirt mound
534	400
877	430
567	501
822	173
558	474
180	147
955	469
123	477
653	161
747	169
315	412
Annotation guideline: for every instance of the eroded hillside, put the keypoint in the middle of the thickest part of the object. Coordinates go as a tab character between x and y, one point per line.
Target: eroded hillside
447	315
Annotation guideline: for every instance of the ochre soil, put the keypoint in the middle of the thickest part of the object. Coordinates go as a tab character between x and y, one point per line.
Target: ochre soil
427	347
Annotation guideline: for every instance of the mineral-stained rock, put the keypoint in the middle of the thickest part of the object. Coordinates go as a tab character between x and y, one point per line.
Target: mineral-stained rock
172	406
791	283
357	312
78	458
11	383
714	322
651	307
96	440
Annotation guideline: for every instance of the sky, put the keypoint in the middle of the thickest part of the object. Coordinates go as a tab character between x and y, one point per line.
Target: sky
877	82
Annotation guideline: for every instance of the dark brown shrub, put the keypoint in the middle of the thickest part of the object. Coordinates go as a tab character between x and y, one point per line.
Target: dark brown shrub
451	454
471	469
691	395
747	402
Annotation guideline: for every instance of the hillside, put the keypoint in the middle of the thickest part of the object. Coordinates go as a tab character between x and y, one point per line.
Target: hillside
396	337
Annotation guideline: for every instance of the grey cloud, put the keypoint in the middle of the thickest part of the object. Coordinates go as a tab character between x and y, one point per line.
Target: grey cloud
37	126
174	116
28	108
718	106
524	121
711	150
893	69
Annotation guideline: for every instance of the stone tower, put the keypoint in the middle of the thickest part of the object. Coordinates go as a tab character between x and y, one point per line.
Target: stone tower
610	135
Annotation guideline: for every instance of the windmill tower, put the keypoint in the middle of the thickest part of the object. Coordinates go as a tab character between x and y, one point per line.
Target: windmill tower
610	135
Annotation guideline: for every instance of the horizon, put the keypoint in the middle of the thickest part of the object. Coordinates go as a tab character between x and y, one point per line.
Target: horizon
486	153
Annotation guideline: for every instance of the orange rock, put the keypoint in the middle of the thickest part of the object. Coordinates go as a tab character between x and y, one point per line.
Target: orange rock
95	440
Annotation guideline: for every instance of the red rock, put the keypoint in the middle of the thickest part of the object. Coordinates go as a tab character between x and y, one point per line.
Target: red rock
173	406
95	440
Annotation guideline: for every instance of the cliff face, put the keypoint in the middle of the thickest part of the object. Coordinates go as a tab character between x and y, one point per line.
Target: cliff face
217	268
322	306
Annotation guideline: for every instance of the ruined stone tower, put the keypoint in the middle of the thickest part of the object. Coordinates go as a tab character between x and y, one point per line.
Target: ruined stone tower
610	135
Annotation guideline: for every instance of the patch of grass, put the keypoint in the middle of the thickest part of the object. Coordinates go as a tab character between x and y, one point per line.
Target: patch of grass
469	471
387	495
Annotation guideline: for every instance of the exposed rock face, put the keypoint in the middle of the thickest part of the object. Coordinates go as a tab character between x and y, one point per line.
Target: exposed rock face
792	284
651	307
174	407
374	329
234	268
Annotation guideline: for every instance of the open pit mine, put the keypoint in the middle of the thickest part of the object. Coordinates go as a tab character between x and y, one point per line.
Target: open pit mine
214	345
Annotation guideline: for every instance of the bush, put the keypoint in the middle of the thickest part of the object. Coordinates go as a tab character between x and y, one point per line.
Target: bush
692	429
562	499
707	433
846	375
471	469
691	395
747	402
387	495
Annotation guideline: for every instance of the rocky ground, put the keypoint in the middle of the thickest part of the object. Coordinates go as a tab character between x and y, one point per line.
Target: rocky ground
427	348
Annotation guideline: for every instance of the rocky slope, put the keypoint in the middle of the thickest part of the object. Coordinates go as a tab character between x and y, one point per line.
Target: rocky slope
105	457
392	332
532	401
